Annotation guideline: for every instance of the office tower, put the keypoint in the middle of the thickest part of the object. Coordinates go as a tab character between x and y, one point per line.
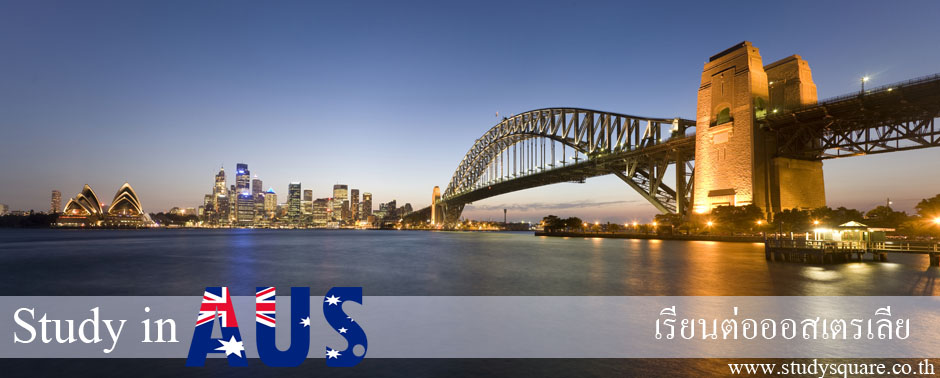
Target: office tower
270	203
242	177
339	196
258	197
55	205
307	202
214	212
321	212
246	210
259	208
224	208
207	208
4	209
354	204
219	188
405	210
366	205
256	186
347	214
293	204
232	202
329	209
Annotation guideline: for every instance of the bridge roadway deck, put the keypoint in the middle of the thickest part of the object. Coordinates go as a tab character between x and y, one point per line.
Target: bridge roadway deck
596	165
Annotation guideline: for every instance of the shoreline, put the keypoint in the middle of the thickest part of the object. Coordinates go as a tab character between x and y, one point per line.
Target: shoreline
719	238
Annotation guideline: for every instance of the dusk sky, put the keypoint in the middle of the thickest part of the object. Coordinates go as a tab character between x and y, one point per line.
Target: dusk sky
387	97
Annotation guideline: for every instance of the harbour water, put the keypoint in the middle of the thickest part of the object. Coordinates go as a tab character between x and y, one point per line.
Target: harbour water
183	262
412	263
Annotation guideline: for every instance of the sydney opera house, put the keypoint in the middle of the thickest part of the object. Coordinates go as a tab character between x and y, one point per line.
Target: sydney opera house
85	210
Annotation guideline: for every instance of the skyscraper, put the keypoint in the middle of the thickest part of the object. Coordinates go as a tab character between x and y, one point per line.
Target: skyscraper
232	202
321	213
307	203
270	203
242	178
293	204
223	207
208	209
354	204
215	214
366	205
219	188
246	210
256	186
340	195
55	205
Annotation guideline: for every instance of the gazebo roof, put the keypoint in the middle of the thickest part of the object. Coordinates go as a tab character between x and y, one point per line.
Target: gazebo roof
852	224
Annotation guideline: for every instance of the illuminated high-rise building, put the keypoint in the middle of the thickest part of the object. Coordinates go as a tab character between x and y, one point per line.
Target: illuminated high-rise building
270	203
321	212
366	205
219	188
232	202
354	204
256	186
340	195
259	208
246	210
55	205
224	209
294	212
307	203
242	178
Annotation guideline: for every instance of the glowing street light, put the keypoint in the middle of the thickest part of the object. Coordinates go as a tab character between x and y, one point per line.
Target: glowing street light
864	79
709	223
760	222
635	223
936	220
815	223
655	224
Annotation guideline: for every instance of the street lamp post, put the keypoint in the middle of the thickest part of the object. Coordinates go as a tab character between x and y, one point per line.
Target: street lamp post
864	79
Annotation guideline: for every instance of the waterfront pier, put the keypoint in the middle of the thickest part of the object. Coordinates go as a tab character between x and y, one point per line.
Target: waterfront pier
827	251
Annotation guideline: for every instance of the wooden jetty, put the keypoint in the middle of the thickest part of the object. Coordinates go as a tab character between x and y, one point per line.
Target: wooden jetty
827	251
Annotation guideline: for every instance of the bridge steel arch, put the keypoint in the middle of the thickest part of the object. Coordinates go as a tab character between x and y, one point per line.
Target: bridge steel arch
638	150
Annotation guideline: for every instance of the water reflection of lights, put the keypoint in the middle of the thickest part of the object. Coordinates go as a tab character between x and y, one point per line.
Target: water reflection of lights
820	274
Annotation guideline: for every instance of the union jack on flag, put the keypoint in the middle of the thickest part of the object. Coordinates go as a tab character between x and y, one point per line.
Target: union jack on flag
216	301
264	306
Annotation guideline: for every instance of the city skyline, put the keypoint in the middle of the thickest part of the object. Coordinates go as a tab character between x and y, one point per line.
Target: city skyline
190	94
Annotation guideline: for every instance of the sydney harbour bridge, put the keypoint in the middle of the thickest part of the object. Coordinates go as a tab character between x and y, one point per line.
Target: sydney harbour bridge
766	149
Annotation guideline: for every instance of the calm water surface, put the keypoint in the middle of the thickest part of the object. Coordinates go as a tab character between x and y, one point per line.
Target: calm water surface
180	262
183	262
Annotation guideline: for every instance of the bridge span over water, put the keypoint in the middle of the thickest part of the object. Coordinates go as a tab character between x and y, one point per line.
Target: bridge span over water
766	151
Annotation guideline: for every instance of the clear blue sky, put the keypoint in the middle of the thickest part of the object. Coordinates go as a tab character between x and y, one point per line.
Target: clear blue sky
388	96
